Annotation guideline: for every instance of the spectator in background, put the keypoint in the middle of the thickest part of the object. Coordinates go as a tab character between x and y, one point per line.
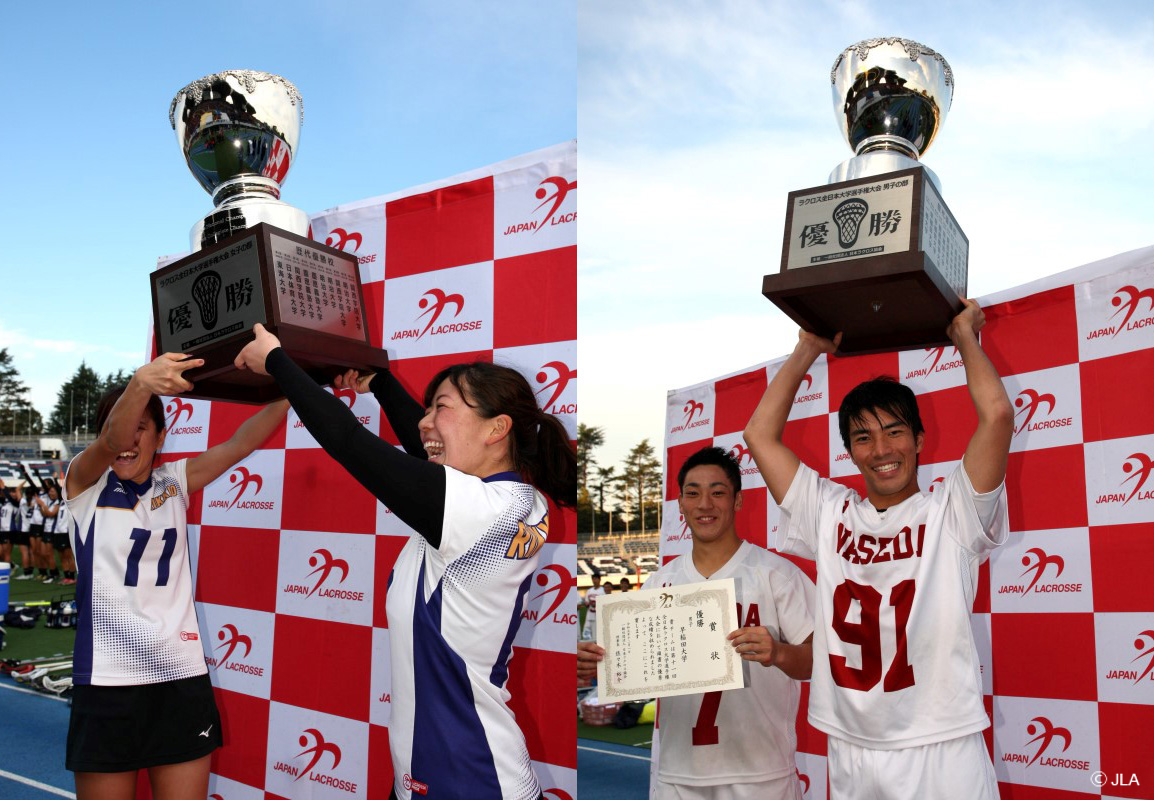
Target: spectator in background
625	585
7	511
589	630
24	542
48	506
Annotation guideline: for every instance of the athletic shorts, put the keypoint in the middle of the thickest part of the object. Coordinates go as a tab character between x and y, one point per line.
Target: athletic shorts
786	787
5	537
60	542
121	728
956	769
38	532
20	538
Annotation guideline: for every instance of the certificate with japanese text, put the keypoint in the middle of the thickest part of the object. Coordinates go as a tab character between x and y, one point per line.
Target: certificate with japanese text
668	641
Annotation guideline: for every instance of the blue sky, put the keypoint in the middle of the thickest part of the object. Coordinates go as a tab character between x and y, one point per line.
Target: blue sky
396	94
696	119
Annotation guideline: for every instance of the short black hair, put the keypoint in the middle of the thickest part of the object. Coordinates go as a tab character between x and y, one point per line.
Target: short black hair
885	394
712	456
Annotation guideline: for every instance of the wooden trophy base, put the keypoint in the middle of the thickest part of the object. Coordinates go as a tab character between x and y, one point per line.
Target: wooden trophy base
895	302
322	357
307	294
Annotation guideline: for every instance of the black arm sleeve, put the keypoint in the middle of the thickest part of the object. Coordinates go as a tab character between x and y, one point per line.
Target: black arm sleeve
403	412
412	488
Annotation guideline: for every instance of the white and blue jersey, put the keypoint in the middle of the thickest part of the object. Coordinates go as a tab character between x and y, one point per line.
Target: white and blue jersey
453	613
136	622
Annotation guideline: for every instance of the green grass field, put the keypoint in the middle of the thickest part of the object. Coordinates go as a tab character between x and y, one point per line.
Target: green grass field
37	642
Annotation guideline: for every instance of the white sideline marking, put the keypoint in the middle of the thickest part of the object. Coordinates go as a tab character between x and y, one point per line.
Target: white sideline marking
36	784
33	692
612	753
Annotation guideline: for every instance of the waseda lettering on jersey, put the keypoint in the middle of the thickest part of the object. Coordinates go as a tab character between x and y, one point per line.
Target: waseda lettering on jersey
753	619
449	327
335	594
258	505
867	549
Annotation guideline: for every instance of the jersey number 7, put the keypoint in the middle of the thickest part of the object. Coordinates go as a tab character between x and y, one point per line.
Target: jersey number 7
868	636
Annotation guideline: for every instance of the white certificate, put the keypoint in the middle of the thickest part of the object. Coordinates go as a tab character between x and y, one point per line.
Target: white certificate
668	641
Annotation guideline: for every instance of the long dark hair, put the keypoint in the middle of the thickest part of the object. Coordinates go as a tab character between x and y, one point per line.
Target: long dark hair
538	444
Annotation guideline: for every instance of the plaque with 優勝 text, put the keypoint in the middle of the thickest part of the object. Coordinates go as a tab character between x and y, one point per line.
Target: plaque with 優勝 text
668	641
880	259
308	294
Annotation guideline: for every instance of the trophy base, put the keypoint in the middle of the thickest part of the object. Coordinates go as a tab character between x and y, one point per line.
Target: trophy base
322	359
894	302
308	294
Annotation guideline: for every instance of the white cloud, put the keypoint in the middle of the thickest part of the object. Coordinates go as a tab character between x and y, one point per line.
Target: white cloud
46	363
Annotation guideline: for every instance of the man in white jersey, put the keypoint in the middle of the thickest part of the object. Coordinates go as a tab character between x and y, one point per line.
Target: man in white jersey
737	744
589	630
896	680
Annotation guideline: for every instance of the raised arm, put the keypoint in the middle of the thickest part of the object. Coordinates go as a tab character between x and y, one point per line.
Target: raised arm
164	375
777	463
413	489
212	463
403	412
986	454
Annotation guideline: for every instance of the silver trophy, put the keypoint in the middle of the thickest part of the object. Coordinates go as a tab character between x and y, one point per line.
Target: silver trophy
239	131
876	253
891	96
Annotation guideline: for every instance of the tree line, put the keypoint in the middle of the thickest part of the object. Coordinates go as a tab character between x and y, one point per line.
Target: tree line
76	401
617	499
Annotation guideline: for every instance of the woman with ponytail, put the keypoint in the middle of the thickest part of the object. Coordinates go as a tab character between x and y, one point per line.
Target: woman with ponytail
479	459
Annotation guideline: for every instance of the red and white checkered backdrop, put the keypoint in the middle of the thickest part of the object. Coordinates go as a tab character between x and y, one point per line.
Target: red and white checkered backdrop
1064	618
291	556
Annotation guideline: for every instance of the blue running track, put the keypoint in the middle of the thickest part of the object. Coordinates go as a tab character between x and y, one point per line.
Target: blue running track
611	771
33	727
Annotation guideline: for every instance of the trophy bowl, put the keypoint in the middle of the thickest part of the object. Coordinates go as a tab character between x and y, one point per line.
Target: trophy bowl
238	131
890	96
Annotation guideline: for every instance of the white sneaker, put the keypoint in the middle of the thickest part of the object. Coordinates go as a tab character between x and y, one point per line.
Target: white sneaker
27	576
